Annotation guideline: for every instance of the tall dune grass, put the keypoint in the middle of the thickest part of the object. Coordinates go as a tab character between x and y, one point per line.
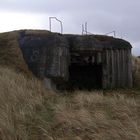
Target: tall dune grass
28	112
19	98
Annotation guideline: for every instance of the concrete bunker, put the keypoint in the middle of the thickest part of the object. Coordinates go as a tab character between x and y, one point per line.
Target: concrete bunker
77	61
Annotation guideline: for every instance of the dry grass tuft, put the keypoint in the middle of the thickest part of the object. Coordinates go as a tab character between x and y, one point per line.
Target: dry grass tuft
28	112
93	116
19	98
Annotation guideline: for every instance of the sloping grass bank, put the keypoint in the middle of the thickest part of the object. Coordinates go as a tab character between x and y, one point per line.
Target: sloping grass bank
28	112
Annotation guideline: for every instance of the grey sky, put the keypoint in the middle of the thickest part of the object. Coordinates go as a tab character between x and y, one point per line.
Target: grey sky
102	15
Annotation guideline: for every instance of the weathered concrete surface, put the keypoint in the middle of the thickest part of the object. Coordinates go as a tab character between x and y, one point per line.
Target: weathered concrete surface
98	60
49	84
46	54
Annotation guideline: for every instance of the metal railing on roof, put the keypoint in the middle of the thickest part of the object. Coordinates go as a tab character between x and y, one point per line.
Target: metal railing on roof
112	32
50	23
85	30
84	27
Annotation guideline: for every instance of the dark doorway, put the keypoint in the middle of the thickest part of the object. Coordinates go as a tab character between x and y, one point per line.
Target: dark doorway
86	77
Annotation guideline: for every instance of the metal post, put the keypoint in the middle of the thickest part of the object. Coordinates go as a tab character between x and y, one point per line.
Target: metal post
86	27
61	25
85	30
114	33
50	23
82	29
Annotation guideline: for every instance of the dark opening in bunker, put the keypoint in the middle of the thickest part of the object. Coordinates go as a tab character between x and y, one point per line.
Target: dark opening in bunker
85	77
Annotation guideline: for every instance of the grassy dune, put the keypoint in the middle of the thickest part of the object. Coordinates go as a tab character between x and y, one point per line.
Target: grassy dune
10	53
29	112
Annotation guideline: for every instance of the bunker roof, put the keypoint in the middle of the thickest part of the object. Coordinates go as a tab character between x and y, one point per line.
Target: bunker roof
99	41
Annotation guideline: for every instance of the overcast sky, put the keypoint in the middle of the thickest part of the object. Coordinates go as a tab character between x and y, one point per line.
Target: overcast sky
102	16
